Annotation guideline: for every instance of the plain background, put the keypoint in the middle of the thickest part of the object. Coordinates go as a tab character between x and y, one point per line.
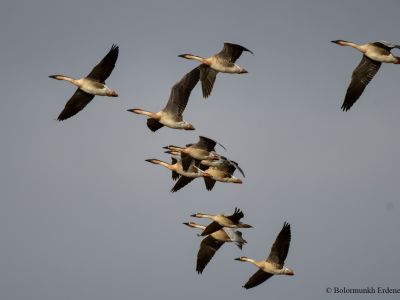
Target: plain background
83	216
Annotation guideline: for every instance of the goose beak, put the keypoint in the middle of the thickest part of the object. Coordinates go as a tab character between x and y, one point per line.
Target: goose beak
243	71
239	259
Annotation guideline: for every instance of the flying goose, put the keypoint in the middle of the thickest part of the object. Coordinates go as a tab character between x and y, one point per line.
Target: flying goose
211	243
172	114
90	86
223	61
178	172
274	263
374	54
192	169
202	150
222	171
220	221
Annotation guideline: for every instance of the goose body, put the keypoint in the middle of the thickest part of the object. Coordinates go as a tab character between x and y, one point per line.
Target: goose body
222	171
374	54
220	221
223	62
274	263
176	167
90	86
202	150
211	243
172	114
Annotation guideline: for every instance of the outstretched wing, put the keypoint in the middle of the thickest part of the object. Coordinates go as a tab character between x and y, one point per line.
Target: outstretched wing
180	93
207	78
258	277
208	247
236	216
153	124
231	52
209	182
280	248
183	181
74	105
205	143
362	75
212	227
104	68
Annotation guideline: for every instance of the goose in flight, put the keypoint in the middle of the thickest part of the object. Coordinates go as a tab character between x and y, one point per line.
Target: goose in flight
202	150
274	263
374	54
177	170
89	86
211	243
172	114
223	61
182	173
220	221
222	171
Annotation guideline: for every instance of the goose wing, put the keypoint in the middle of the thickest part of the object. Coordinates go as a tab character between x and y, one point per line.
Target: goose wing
174	175
231	52
207	144
280	248
104	68
180	93
209	182
236	165
207	78
362	75
153	124
236	216
183	181
208	247
258	277
212	227
74	105
386	45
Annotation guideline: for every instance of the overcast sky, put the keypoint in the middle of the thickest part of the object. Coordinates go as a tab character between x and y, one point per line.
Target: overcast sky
83	216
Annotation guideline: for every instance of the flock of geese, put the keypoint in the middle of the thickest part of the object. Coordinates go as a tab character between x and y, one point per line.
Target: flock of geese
200	159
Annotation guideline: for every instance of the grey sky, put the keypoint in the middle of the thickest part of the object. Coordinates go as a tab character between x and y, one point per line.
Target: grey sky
83	216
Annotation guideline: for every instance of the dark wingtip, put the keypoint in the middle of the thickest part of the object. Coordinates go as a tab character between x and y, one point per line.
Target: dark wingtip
53	76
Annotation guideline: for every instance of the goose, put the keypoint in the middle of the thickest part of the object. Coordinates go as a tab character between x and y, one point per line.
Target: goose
223	61
211	243
202	150
177	170
172	114
222	161
181	173
274	263
374	54
220	221
89	86
221	171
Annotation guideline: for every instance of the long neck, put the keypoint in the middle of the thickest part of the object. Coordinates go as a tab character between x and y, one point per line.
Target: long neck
144	112
200	215
162	163
195	225
194	57
176	148
361	48
253	261
66	78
